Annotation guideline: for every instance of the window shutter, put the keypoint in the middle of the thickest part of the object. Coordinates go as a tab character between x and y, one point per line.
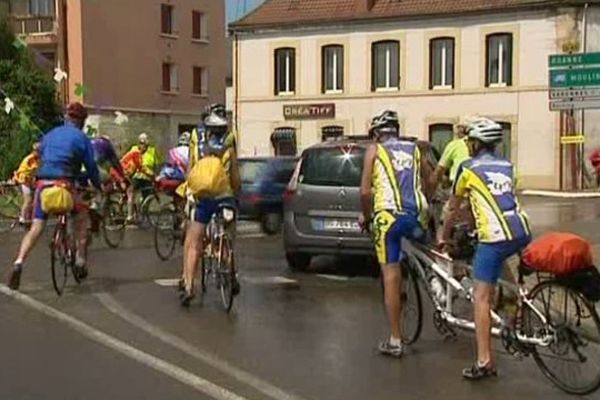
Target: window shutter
452	60
292	55
195	24
323	69
164	14
166	77
487	61
373	67
509	60
276	72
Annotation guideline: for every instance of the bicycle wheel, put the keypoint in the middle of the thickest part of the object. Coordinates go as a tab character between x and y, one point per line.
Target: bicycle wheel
113	223
166	234
412	307
226	271
10	207
150	210
59	260
572	359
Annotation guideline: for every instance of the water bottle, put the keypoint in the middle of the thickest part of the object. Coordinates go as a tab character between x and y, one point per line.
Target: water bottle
437	289
467	284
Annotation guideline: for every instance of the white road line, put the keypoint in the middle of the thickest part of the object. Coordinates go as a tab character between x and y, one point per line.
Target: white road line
194	381
250	236
223	366
334	277
268	280
167	282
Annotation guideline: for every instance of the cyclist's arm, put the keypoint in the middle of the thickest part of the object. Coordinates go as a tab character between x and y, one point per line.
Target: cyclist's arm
90	164
234	173
366	198
426	174
459	190
443	166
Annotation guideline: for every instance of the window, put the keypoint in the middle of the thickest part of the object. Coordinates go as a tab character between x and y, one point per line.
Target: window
167	19
499	60
385	60
441	63
504	149
284	141
331	132
332	166
41	7
285	71
200	80
333	68
169	78
440	135
199	29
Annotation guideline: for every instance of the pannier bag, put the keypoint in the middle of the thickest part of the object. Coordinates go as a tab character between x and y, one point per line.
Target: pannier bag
56	200
558	253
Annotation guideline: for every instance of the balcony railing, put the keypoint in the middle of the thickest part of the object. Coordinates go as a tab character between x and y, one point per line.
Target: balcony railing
34	25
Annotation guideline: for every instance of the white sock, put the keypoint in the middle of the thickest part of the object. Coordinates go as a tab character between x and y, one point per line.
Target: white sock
395	341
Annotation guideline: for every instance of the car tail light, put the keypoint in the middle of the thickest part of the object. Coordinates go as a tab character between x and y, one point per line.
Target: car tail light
290	191
253	198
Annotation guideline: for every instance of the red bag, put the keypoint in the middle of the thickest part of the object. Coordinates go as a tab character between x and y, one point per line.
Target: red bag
558	253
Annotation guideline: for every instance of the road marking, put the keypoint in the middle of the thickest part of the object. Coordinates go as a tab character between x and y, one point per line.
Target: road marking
334	277
268	280
167	282
250	236
223	366
194	381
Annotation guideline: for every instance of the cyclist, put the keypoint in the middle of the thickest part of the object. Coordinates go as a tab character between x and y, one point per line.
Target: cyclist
503	228
25	176
144	175
220	110
63	151
200	211
177	160
392	197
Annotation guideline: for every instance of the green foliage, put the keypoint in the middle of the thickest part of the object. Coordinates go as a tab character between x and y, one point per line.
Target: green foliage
33	92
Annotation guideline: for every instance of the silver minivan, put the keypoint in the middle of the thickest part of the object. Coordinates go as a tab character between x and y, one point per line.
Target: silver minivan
322	204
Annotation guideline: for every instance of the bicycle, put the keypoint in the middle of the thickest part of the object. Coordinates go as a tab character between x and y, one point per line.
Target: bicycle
543	327
147	206
62	254
169	227
218	262
10	206
111	217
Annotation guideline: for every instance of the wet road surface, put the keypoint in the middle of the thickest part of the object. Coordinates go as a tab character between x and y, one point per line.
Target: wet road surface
293	336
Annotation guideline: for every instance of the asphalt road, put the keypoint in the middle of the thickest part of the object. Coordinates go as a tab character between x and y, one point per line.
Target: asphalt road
290	336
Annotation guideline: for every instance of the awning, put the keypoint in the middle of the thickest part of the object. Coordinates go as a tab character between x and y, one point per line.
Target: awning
283	134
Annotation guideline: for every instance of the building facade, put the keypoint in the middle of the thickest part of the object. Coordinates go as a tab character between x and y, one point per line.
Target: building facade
159	62
308	72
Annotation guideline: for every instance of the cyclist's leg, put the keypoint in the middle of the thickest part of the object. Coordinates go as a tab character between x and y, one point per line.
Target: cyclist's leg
26	208
131	191
387	245
34	233
82	218
200	214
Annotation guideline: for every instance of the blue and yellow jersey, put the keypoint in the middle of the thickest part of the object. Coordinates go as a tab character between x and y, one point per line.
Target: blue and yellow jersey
397	179
489	182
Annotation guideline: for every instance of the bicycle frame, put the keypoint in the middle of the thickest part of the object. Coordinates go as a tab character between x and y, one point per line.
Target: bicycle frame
421	261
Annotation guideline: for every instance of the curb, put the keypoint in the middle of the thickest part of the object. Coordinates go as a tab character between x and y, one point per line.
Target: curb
562	195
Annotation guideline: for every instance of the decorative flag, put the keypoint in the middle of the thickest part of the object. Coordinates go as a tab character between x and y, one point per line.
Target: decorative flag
19	43
121	118
80	90
59	75
8	105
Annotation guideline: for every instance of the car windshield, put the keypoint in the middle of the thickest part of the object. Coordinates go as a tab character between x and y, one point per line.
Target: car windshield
251	170
336	166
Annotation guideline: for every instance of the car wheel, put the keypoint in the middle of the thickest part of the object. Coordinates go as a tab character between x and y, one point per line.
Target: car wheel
298	261
271	223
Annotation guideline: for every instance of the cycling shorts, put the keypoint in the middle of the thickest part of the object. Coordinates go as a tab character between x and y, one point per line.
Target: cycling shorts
489	258
389	229
79	205
203	210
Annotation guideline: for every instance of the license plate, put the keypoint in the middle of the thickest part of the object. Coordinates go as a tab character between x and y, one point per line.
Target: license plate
340	225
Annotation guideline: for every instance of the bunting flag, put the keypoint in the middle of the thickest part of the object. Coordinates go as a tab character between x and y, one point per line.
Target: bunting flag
19	43
59	75
121	118
80	90
8	105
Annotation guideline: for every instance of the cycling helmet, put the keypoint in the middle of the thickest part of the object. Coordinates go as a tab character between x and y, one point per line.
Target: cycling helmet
216	108
76	112
184	139
214	120
143	138
485	130
385	123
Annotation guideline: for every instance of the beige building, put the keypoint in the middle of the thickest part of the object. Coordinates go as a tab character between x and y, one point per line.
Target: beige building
308	70
159	62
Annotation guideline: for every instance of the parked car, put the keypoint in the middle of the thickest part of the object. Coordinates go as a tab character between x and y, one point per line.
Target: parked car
264	179
322	202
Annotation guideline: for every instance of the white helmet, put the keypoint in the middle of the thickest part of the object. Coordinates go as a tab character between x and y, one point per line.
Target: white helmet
143	138
485	130
215	120
184	139
385	123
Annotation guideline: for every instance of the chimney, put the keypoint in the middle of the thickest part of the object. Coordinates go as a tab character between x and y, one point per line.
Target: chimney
364	5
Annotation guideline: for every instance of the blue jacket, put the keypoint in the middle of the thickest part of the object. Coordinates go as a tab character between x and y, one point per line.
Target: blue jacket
63	151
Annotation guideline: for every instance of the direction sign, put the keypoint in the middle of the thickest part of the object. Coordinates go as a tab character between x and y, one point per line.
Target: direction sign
570	78
573	60
555	94
575	104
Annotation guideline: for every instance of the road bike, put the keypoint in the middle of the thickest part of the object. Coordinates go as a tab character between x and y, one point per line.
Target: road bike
218	262
10	206
555	324
62	254
110	216
169	228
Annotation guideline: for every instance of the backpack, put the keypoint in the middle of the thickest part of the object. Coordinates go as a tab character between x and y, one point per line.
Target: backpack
208	178
558	253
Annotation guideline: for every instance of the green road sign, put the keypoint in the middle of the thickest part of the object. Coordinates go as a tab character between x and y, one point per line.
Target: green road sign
573	60
584	77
